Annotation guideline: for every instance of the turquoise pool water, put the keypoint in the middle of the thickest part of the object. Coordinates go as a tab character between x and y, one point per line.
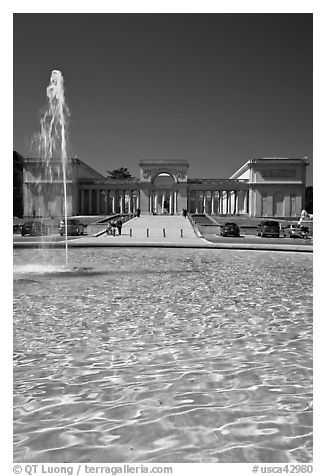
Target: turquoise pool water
157	355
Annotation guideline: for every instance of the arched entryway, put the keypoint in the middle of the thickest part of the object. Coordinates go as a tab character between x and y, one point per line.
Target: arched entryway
163	195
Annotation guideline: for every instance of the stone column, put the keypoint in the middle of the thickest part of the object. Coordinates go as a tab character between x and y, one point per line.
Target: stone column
171	203
134	201
204	201
196	201
150	197
107	202
163	200
129	203
212	201
175	202
113	201
155	202
120	201
237	202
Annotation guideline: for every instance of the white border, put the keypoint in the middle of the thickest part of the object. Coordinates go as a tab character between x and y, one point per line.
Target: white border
177	6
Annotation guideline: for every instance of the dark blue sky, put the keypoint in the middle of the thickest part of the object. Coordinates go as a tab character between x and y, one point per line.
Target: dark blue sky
216	89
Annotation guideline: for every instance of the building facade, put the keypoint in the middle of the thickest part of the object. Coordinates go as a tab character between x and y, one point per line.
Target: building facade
277	186
268	187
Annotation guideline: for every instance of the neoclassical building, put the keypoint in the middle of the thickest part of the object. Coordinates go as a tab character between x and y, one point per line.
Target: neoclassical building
266	187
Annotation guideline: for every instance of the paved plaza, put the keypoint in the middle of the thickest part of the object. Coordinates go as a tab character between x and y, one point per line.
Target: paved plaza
165	231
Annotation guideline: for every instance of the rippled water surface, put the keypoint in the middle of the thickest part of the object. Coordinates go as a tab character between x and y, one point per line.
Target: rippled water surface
157	355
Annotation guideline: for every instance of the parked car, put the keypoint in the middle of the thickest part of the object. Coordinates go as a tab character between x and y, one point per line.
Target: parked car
74	227
268	228
296	231
34	228
230	229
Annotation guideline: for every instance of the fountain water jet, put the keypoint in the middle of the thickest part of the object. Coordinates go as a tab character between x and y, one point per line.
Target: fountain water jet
52	139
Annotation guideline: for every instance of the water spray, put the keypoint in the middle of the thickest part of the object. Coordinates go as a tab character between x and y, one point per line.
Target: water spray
52	138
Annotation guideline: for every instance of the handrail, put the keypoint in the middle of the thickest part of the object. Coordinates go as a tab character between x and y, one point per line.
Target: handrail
194	226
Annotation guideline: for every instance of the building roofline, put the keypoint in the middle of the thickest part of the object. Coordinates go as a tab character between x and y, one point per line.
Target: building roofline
163	162
246	165
242	169
289	159
78	161
74	160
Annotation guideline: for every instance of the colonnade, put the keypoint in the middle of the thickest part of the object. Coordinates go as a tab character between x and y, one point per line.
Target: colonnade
218	201
94	201
97	202
163	201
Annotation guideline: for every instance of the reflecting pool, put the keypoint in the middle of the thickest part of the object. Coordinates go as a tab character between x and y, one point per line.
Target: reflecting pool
158	355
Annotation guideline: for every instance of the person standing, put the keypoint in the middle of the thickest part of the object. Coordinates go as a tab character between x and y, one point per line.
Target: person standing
138	212
119	225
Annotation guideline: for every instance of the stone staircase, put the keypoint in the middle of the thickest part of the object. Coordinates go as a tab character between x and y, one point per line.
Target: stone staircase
159	227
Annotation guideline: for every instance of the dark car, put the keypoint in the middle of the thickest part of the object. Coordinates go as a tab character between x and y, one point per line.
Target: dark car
296	231
74	227
34	228
230	229
269	228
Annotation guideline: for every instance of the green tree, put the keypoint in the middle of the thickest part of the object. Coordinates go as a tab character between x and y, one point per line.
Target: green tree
18	206
309	199
119	174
